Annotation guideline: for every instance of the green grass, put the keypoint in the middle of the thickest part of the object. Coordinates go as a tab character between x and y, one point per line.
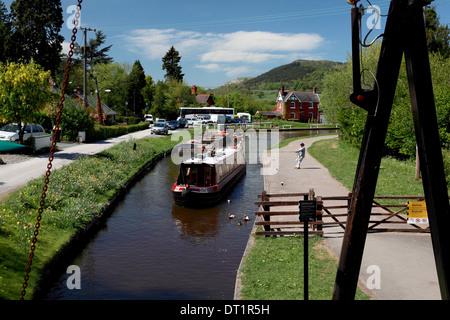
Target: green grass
396	178
76	194
274	270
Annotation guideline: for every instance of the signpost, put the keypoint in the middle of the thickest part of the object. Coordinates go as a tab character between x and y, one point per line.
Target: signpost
307	213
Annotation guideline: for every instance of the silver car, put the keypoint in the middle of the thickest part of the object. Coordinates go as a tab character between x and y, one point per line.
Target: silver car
160	128
10	132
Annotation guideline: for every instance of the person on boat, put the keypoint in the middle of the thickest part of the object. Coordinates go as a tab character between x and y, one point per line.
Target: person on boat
300	156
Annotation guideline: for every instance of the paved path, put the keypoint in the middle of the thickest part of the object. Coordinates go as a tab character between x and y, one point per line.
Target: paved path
406	260
14	176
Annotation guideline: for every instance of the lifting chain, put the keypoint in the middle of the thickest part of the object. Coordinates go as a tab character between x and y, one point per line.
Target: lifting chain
52	150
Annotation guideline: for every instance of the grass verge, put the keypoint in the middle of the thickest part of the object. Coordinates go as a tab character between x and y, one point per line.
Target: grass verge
396	178
76	194
274	270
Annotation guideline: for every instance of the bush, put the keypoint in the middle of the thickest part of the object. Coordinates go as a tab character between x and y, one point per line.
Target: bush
74	119
105	132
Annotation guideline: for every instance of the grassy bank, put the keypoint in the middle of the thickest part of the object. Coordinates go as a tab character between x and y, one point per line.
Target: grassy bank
274	270
76	194
396	178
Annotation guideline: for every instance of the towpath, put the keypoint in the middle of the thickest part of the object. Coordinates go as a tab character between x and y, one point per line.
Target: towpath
405	260
17	174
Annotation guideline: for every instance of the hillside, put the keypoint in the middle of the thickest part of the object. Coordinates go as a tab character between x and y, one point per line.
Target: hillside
300	75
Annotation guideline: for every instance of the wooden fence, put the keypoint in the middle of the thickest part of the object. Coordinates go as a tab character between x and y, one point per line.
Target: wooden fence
279	215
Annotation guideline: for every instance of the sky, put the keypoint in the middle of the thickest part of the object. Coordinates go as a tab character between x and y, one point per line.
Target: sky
219	41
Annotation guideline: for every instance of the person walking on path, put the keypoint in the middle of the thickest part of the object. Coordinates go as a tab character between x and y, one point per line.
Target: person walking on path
300	156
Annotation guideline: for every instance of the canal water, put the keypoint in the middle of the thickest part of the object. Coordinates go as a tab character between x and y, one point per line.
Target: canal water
152	249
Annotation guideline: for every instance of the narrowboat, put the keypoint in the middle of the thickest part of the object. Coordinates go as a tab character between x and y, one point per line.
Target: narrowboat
214	164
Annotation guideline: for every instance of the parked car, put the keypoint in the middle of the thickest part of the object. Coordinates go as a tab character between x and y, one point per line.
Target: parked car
194	122
149	118
174	124
161	120
183	122
10	132
160	128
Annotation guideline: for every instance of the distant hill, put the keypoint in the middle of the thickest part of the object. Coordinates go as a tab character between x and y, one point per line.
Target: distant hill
300	75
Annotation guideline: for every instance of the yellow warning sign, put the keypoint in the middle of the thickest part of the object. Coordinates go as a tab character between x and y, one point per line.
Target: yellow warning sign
417	212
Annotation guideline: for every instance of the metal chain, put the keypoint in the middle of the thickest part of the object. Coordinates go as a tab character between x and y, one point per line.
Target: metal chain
52	150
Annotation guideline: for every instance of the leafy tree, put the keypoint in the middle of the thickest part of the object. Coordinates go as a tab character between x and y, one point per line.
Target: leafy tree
23	93
112	78
169	97
36	27
170	64
148	92
136	82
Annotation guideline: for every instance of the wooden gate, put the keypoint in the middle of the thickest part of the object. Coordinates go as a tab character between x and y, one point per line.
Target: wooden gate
278	214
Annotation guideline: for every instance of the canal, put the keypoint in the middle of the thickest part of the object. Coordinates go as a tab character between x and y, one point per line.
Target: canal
152	249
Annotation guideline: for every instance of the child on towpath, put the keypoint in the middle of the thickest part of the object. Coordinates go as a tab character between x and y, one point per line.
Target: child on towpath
300	156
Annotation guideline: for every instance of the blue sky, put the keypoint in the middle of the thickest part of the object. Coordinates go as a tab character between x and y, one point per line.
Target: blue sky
222	40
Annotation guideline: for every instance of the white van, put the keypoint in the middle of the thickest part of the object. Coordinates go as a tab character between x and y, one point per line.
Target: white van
149	118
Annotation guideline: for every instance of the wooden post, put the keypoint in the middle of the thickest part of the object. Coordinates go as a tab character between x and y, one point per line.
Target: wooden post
319	213
265	208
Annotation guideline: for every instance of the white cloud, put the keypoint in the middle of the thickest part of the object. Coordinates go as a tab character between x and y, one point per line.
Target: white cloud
65	48
232	53
209	67
254	46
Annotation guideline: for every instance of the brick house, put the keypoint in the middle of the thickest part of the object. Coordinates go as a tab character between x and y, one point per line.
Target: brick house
299	106
205	99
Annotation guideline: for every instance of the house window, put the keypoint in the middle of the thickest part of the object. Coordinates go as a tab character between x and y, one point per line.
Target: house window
311	105
292	115
292	104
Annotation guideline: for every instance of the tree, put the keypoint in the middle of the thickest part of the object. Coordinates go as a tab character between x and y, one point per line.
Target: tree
23	93
5	33
36	27
94	53
437	34
148	92
169	97
170	64
136	82
112	78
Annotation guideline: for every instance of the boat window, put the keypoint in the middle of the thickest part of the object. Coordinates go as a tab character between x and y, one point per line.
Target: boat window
208	177
193	176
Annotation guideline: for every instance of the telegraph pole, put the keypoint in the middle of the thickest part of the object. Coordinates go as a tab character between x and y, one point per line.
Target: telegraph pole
85	30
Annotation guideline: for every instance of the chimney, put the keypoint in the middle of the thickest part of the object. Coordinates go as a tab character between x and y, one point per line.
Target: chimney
78	90
194	90
282	91
314	90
